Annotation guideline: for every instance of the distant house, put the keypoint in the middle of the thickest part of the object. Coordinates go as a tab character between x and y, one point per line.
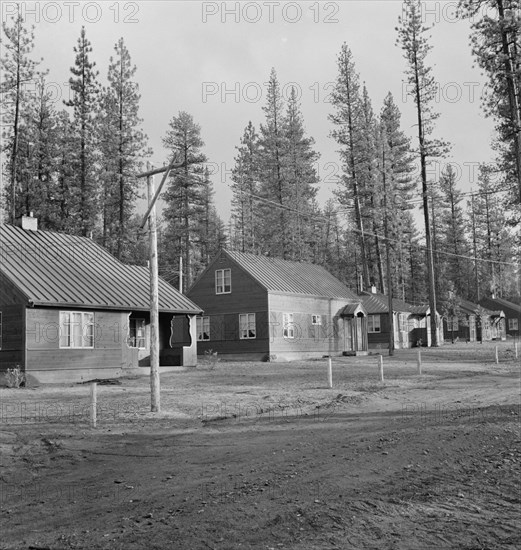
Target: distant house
512	313
256	307
475	323
411	323
70	311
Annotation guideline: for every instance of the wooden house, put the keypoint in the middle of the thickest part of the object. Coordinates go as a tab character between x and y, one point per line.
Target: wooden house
69	311
474	323
411	323
512	313
256	307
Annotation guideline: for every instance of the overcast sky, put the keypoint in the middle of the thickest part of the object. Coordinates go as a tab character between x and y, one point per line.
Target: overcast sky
212	59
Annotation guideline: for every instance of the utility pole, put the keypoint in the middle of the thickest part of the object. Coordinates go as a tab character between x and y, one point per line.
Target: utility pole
150	216
388	257
181	274
154	301
474	244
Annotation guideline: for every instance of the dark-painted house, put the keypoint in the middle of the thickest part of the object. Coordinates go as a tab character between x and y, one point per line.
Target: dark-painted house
70	311
256	307
512	313
411	323
474	323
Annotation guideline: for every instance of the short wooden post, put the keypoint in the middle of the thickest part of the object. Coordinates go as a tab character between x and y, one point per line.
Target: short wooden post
419	361
381	367
329	373
515	349
497	356
93	403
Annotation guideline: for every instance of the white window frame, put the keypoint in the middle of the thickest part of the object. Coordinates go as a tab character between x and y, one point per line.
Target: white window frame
316	320
221	275
453	324
371	324
513	324
288	328
67	335
134	340
203	327
246	322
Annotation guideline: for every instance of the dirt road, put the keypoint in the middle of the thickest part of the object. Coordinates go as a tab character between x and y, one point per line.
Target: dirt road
265	456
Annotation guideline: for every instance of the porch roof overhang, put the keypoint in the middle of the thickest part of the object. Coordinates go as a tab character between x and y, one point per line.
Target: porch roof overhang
353	309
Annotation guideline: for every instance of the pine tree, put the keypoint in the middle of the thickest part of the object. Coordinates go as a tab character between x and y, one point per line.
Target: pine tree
496	44
274	232
495	241
37	158
299	177
184	195
85	90
454	238
123	148
65	177
18	78
245	187
396	166
349	126
412	39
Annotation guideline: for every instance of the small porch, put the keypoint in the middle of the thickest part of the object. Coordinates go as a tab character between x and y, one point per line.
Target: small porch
354	317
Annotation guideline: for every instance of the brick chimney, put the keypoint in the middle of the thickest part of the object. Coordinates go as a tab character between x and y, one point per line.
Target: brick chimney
29	223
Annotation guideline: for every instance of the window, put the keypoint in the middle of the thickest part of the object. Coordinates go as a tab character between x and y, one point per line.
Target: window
316	320
247	328
203	328
453	324
373	323
288	329
512	325
136	333
402	322
223	281
76	329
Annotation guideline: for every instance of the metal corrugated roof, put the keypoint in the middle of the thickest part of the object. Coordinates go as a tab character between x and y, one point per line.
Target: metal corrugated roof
471	308
55	269
379	303
501	302
284	276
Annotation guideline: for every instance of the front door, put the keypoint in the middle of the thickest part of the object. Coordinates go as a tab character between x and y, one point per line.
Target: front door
359	334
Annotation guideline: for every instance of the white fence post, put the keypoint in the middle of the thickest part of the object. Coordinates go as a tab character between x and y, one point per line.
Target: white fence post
93	404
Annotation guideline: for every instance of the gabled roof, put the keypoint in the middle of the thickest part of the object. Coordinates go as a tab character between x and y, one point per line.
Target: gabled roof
376	302
501	303
470	308
54	269
286	277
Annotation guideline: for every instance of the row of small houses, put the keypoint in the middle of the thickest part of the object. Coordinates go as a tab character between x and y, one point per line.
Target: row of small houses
69	311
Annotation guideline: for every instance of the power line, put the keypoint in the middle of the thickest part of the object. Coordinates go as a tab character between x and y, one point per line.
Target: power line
376	235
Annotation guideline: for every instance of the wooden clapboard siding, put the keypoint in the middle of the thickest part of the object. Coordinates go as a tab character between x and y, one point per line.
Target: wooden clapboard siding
43	350
247	295
11	349
9	294
308	339
224	335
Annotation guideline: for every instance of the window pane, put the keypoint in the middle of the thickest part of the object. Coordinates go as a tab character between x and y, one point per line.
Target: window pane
88	330
65	329
76	330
